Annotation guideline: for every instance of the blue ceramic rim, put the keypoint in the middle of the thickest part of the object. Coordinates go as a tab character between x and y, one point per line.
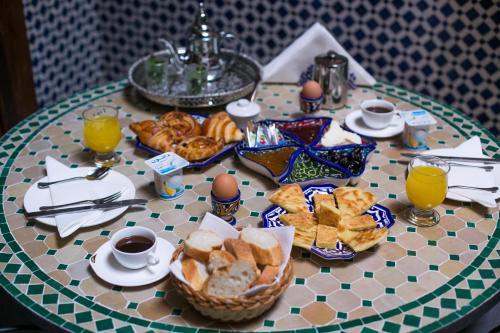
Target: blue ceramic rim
225	150
346	172
241	151
295	142
235	198
265	221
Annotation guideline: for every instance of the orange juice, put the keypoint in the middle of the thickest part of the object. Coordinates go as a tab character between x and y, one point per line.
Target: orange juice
102	133
426	186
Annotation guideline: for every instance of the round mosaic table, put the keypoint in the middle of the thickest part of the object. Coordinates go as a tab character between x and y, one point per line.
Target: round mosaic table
419	278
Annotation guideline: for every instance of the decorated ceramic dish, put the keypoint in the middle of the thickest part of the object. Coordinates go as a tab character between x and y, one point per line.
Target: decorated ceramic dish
381	215
201	164
303	160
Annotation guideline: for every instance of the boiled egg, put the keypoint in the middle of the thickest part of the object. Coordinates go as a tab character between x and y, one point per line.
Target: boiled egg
225	187
311	89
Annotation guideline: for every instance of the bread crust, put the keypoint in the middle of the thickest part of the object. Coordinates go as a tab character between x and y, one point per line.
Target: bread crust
240	249
194	273
219	259
268	275
196	251
263	256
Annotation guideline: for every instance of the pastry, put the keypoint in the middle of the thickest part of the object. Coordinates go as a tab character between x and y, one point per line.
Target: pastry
145	129
183	125
362	240
199	148
359	223
318	198
329	214
326	236
221	126
291	198
305	228
265	247
353	201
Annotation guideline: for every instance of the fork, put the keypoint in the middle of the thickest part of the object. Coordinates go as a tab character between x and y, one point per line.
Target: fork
488	189
109	198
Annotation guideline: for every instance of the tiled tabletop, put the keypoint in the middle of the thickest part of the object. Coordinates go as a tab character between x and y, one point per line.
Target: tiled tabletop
420	278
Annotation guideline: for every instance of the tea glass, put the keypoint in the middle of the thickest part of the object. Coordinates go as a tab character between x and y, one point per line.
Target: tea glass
426	188
102	133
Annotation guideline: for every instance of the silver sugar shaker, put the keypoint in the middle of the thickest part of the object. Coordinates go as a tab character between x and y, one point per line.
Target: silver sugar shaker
331	72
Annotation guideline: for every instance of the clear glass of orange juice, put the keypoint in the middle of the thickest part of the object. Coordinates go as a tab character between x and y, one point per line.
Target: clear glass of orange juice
426	188
102	133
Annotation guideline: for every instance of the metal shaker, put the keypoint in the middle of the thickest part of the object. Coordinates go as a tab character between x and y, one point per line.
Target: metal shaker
331	72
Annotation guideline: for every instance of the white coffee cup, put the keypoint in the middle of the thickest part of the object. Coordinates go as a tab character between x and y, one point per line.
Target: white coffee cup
378	120
135	260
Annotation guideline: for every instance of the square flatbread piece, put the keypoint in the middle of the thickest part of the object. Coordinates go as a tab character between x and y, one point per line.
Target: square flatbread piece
305	228
353	201
291	198
359	223
326	236
362	240
318	198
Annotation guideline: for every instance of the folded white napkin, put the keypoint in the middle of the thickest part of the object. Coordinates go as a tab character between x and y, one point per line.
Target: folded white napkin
296	58
73	191
470	176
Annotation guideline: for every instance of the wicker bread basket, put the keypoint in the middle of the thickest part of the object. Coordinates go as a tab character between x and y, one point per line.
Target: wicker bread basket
235	308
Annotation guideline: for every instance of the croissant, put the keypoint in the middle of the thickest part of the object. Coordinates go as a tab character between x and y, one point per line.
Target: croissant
146	129
161	140
182	124
221	126
198	148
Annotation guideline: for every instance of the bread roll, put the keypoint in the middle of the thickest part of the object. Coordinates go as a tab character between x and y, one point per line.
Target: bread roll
240	249
265	247
200	243
194	272
231	281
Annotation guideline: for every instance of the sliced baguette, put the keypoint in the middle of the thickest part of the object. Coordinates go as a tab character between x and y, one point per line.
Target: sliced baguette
219	259
240	249
200	243
194	272
268	275
231	281
265	247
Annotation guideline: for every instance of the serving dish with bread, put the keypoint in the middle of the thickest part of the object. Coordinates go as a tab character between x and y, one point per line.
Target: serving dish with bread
331	222
232	275
199	139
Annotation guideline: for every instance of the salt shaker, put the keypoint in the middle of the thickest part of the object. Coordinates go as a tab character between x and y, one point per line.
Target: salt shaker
331	71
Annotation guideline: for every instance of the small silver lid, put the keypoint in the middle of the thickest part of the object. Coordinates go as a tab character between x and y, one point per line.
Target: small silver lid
330	59
201	28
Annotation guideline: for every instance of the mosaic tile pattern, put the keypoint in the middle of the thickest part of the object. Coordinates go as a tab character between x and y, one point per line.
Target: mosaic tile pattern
419	278
444	49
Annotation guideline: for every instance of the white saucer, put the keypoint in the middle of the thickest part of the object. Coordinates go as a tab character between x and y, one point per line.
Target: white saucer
107	268
36	197
356	124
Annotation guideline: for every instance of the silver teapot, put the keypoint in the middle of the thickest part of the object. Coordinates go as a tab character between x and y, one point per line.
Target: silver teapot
204	48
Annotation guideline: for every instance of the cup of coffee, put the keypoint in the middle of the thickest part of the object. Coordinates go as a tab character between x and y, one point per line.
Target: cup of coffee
134	247
377	113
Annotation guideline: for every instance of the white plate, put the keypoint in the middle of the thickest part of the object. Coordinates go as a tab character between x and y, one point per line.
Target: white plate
356	124
106	267
35	197
458	197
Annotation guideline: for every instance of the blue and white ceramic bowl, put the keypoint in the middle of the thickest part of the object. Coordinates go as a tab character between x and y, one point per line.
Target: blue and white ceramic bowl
381	215
316	168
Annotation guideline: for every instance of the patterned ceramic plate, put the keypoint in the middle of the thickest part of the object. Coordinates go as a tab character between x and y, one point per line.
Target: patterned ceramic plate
381	215
199	118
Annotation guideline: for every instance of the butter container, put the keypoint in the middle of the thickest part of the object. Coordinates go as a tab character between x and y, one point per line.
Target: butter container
417	126
167	169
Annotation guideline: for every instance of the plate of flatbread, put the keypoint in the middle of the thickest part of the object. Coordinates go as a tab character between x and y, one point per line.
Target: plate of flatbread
331	222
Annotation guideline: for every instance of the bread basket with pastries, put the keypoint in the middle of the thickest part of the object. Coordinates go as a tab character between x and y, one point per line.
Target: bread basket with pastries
232	275
197	138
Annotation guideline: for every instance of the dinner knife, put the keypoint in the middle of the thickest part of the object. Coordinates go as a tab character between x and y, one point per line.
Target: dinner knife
109	205
457	158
